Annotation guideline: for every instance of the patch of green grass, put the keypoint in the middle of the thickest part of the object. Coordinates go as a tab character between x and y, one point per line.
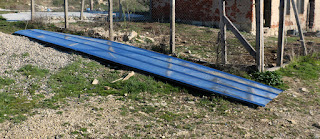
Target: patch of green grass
5	81
83	129
305	67
124	111
2	18
170	116
59	112
26	54
148	109
75	132
12	108
10	27
33	71
6	12
66	124
76	79
33	87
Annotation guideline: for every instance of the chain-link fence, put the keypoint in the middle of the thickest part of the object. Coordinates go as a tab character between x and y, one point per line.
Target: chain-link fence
146	24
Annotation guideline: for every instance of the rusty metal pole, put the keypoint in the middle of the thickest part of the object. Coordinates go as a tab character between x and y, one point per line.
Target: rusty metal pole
66	17
32	10
259	36
223	29
82	7
172	26
111	38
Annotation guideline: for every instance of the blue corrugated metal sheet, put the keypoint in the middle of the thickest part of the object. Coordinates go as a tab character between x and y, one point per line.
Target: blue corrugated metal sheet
169	67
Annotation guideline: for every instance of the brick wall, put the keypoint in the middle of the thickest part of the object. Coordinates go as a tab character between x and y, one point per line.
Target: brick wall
316	24
206	12
240	12
290	20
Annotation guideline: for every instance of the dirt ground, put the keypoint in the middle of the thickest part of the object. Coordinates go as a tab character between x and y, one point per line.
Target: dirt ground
293	114
288	116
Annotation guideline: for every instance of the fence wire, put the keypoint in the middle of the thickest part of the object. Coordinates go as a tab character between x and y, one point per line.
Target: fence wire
146	24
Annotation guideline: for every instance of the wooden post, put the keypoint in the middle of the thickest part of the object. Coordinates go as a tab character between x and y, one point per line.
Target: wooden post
280	50
172	26
259	35
120	10
32	10
150	9
110	20
223	29
299	28
242	40
82	7
66	14
91	5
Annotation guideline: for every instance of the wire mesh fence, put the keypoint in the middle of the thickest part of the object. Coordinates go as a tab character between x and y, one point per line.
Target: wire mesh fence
146	24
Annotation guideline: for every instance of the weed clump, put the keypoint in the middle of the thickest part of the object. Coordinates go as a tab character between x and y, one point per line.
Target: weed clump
30	70
269	78
5	81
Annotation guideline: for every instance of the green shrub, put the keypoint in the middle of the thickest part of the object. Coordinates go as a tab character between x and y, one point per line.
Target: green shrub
269	78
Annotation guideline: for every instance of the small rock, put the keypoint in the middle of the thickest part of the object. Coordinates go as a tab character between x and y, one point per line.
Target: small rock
316	136
181	133
304	90
156	104
317	125
139	40
149	40
311	112
130	36
295	94
182	54
126	94
247	135
163	103
264	120
191	102
95	81
107	87
292	121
